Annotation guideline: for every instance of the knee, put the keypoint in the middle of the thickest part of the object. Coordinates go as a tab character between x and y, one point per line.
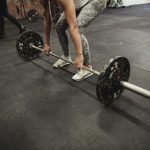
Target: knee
83	39
99	5
59	27
80	28
85	44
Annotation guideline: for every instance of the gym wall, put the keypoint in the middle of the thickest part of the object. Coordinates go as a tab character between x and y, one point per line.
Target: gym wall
16	9
30	4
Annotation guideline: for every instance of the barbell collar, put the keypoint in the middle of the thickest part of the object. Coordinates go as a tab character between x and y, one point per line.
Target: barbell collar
53	54
136	89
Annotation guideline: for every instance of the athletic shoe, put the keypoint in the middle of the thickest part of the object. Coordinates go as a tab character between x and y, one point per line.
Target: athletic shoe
61	63
82	74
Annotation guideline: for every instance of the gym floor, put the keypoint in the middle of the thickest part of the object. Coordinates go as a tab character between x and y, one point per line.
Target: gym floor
41	108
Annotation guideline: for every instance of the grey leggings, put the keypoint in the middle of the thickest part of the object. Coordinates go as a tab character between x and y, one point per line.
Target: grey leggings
85	16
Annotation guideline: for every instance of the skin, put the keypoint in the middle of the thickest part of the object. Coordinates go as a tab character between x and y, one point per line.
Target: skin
69	10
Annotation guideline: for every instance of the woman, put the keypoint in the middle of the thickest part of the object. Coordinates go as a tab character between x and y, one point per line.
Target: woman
4	13
77	15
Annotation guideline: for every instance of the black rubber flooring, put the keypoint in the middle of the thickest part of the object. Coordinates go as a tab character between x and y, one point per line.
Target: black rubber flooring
41	108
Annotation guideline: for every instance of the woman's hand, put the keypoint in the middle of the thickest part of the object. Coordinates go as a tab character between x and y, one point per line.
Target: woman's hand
47	49
78	63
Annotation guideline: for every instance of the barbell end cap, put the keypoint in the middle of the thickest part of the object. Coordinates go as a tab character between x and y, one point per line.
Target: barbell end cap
31	45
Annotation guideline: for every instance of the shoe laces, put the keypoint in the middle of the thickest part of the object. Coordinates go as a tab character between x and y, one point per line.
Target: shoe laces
81	71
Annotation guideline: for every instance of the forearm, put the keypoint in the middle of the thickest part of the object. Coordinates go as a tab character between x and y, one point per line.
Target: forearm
47	29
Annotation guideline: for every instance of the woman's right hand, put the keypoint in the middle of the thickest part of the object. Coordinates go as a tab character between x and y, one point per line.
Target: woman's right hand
47	49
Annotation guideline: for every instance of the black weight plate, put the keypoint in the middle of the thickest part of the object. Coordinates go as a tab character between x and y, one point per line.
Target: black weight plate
32	14
23	45
108	87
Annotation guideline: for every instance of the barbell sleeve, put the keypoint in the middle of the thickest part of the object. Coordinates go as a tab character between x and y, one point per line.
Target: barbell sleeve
53	54
136	89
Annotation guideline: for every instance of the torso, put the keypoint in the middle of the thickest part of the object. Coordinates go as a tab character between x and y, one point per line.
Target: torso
78	3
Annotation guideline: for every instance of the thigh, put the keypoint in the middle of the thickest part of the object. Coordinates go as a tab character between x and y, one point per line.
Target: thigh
89	12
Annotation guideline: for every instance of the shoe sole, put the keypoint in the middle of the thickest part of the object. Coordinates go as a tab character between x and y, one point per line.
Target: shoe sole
83	77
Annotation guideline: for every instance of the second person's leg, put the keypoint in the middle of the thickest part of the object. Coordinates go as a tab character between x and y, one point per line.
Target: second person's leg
14	21
11	18
2	31
2	22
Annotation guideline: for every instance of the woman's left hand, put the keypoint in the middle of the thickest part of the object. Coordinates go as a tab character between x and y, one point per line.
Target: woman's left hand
78	63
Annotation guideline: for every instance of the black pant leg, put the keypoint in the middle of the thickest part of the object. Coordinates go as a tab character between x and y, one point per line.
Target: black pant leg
4	12
2	24
13	20
2	8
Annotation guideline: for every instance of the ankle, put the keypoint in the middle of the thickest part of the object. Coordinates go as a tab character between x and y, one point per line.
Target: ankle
88	66
67	56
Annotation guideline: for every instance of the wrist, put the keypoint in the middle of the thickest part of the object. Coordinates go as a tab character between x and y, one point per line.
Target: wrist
80	55
47	41
47	44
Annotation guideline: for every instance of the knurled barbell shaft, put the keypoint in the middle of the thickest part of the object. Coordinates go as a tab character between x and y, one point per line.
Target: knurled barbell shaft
53	54
135	89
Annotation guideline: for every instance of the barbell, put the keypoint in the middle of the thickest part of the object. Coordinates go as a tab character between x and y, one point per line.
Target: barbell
32	15
112	80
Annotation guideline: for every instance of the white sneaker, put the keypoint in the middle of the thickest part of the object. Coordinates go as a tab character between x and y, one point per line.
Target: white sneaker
61	63
82	74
